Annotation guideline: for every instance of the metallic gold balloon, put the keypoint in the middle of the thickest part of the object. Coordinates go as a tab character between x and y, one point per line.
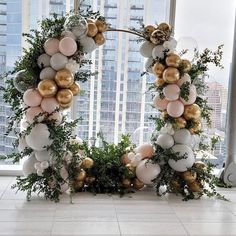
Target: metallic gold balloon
90	179
92	29
164	114
65	105
192	112
171	75
196	128
173	60
101	25
64	78
64	96
131	170
99	39
47	88
200	165
158	69
148	30
87	163
189	176
186	65
124	159
78	184
175	184
195	187
81	176
75	88
158	37
126	183
180	123
164	26
138	184
159	82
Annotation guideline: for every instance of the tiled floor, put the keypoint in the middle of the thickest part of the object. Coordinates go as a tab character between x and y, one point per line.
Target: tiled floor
142	213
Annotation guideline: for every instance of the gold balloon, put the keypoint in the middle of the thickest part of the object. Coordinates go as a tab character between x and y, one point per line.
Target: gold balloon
64	78
99	39
200	165
126	183
164	114
159	82
90	179
75	88
138	184
158	69
171	75
192	112
65	105
195	186
87	163
131	170
189	176
164	26
89	20
148	30
173	60
92	29
64	96
175	184
185	65
81	176
47	88
101	25
124	159
196	128
180	123
78	184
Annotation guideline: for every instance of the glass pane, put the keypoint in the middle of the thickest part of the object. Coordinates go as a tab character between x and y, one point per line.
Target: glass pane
209	24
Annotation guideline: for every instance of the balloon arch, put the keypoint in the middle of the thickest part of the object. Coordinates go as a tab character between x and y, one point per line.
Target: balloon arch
44	82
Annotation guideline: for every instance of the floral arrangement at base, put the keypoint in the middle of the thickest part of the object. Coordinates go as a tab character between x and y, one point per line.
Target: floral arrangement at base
42	86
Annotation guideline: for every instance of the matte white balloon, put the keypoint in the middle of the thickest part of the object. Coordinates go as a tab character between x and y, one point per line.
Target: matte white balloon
44	165
40	172
158	52
184	78
88	44
135	162
43	60
28	165
51	46
165	141
22	144
182	136
38	139
146	49
58	61
32	98
147	171
37	166
185	163
149	64
42	155
146	150
49	104
171	92
47	73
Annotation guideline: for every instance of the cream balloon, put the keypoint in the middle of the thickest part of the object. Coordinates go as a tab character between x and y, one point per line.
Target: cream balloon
43	60
182	136
147	171
158	52
47	73
159	103
42	155
165	141
28	165
49	104
38	139
184	78
51	46
88	44
146	49
146	150
58	61
67	46
191	98
32	98
187	161
171	92
175	108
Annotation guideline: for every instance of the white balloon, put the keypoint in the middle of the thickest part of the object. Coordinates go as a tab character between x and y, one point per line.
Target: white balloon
28	165
185	163
37	166
148	65
40	172
43	60
183	136
88	44
131	156
44	165
158	52
22	144
135	162
146	49
58	61
38	139
68	34
147	171
47	73
42	155
165	141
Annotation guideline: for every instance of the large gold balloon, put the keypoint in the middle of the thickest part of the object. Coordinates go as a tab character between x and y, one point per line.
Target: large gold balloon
138	184
126	183
173	60
65	105
171	75
47	88
196	128
192	112
148	30
195	186
185	65
189	176
101	25
180	123
158	69
75	88
200	165
64	96
81	176
87	163
99	39
92	29
124	159
64	78
164	26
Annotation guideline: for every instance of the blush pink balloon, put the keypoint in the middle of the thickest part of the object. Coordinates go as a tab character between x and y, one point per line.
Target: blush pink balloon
32	98
67	46
171	92
184	78
32	112
49	104
51	46
146	150
175	109
57	117
191	97
159	103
